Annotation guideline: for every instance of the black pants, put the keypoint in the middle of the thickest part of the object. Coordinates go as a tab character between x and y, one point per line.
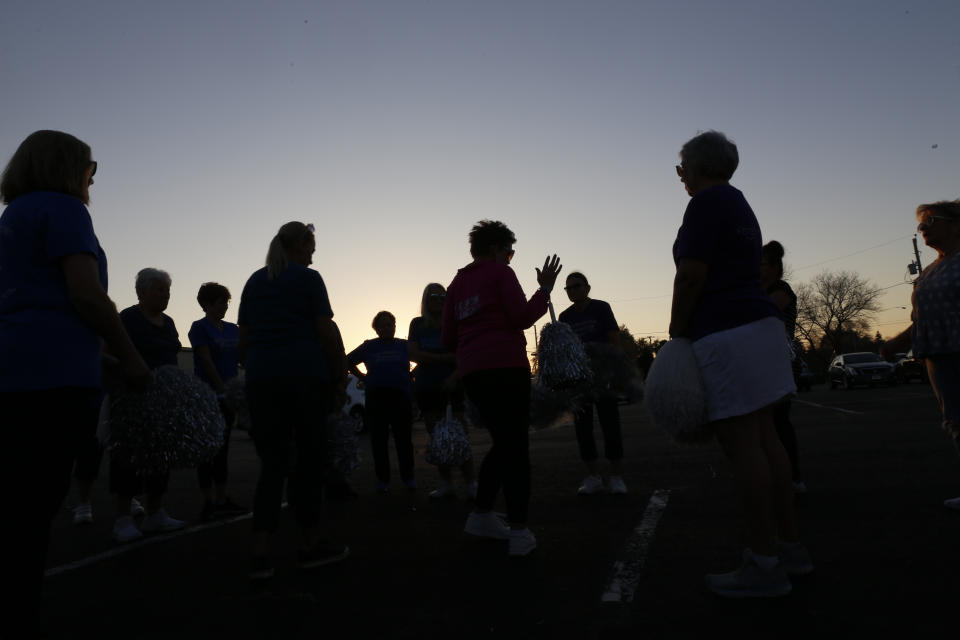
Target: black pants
216	470
502	400
609	415
42	432
388	408
288	425
788	436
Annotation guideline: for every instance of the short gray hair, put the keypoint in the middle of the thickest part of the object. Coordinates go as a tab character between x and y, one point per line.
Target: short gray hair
710	154
146	277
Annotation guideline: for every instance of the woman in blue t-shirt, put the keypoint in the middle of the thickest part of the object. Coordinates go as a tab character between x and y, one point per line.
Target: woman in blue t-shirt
387	403
436	381
54	313
744	360
215	358
593	321
293	360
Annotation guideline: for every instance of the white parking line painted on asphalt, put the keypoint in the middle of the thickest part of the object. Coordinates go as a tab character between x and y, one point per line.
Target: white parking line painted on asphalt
143	542
823	406
626	570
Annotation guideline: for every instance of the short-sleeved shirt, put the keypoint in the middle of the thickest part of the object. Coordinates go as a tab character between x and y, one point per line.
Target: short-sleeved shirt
281	315
222	344
936	308
593	324
387	363
720	229
429	375
157	345
44	344
789	313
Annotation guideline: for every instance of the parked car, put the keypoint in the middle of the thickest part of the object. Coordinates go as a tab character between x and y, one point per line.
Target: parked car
849	369
908	368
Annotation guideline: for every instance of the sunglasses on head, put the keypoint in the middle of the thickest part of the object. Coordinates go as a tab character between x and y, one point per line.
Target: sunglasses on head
438	296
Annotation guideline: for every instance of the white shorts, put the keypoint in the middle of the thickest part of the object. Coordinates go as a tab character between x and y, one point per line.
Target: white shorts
745	368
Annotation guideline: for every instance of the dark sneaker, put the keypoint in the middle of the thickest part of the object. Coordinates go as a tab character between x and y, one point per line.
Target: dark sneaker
260	568
229	508
795	559
206	514
750	580
322	554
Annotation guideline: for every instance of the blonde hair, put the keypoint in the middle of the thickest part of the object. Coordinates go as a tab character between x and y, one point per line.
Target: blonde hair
288	237
424	313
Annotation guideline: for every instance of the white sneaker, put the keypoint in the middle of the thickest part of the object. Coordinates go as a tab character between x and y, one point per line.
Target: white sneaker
136	509
952	503
592	485
487	525
617	486
521	542
83	514
124	530
160	522
750	580
445	490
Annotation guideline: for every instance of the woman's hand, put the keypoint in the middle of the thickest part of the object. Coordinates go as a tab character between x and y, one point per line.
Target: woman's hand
547	277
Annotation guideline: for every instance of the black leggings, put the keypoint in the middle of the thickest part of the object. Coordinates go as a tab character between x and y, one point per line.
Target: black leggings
216	470
388	408
288	425
609	416
502	400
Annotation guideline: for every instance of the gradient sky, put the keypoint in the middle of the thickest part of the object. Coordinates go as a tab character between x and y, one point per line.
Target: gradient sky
395	126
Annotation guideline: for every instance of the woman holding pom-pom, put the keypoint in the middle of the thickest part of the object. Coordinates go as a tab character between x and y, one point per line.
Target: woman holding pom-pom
738	342
294	364
54	311
593	322
484	316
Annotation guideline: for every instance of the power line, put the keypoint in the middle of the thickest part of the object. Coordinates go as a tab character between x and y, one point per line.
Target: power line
815	264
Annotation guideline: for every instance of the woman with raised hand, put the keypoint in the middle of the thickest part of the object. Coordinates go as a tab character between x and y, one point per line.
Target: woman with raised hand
484	316
54	313
934	333
293	358
437	382
737	335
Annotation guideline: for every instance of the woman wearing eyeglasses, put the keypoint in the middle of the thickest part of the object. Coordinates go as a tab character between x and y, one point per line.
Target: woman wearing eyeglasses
295	373
484	316
54	312
436	382
935	331
737	338
593	321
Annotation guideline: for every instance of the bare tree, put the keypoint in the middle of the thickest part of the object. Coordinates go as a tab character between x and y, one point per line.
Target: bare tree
833	304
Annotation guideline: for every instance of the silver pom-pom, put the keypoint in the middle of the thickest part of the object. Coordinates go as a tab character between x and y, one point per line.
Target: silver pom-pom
235	397
562	364
175	424
343	443
675	397
449	445
614	373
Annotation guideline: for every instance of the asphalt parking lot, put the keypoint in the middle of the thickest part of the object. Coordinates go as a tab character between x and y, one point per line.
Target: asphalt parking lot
875	461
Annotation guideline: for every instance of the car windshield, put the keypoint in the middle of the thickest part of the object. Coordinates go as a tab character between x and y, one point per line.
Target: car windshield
859	358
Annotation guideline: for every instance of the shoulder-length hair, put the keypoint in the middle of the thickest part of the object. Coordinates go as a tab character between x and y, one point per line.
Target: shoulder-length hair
47	161
425	298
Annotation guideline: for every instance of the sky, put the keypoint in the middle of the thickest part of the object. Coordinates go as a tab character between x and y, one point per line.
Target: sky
395	126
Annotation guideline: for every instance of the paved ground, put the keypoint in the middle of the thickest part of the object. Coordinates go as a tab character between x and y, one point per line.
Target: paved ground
886	550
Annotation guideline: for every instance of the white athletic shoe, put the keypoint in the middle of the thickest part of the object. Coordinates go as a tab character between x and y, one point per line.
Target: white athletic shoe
136	509
160	522
124	530
617	486
487	525
521	542
83	514
952	503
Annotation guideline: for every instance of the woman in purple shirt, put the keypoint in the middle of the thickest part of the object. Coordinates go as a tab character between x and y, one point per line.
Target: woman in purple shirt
739	344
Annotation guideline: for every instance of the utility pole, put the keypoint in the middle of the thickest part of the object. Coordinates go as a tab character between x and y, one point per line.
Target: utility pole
915	267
